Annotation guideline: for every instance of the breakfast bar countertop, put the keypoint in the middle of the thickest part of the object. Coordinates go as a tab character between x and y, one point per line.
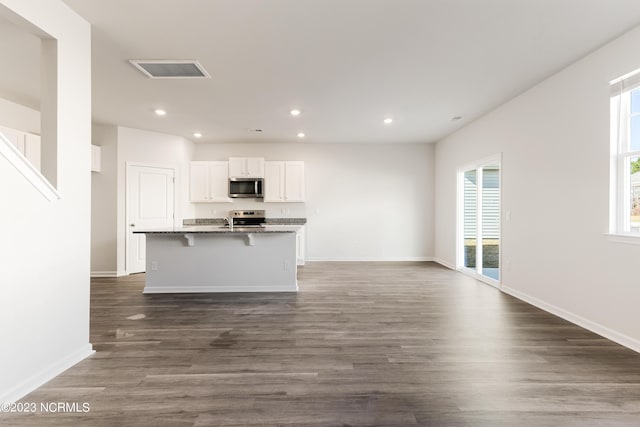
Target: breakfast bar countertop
221	221
219	229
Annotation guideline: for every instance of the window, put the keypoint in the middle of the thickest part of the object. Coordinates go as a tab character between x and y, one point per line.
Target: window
625	155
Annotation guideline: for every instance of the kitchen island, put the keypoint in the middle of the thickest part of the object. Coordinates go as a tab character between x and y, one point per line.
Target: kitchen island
220	259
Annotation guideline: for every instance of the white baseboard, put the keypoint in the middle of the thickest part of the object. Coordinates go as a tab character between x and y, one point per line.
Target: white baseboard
221	288
104	274
108	273
38	379
444	263
367	259
594	327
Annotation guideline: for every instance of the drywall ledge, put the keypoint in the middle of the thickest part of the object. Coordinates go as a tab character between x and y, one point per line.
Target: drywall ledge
27	170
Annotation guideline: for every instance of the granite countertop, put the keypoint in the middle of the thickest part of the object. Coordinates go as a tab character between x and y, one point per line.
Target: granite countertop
286	221
219	229
221	221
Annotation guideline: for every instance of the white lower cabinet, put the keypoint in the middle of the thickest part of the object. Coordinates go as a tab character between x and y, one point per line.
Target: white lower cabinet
284	181
209	182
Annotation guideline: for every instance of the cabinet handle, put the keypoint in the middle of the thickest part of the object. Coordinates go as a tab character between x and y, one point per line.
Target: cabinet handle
133	225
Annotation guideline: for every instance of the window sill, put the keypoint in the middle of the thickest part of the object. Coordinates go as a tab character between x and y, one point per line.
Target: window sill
629	239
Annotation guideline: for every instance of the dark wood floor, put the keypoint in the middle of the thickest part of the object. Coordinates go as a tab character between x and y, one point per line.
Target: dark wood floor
361	344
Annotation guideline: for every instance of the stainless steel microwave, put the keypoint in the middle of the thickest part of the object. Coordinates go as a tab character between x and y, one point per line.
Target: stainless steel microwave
246	187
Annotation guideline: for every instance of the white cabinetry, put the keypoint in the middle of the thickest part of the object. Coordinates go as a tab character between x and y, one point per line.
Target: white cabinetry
209	182
284	181
28	144
246	167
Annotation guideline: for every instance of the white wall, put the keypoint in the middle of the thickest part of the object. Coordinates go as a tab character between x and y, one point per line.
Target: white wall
104	198
555	145
119	147
150	148
44	258
363	201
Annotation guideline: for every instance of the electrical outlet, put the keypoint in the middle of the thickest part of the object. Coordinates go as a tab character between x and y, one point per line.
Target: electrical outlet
154	265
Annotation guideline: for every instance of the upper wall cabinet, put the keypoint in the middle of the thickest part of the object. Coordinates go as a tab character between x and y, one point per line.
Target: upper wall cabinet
28	144
246	167
284	181
209	182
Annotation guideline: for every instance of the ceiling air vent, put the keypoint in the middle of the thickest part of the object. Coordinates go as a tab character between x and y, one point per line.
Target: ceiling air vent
170	69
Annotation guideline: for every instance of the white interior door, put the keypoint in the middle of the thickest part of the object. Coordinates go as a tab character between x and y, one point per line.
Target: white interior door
150	204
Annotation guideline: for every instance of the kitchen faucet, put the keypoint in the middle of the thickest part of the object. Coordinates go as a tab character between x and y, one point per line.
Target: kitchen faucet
229	222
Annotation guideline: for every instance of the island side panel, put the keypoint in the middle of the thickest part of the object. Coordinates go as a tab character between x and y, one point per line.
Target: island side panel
221	262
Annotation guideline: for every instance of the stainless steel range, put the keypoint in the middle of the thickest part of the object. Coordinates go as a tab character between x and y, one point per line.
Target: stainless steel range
253	218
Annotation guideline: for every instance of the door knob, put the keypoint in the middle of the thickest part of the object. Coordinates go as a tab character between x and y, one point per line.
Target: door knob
133	225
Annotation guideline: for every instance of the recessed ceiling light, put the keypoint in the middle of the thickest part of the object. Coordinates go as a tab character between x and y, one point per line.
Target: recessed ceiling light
300	135
456	118
388	120
197	135
295	112
160	112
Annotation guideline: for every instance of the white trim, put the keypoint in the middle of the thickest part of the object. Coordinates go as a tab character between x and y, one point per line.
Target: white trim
218	288
110	273
630	239
367	259
620	156
479	217
33	175
50	372
485	161
594	327
624	83
444	263
459	261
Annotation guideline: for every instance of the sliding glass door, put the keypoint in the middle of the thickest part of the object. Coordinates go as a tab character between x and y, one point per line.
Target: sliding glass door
479	221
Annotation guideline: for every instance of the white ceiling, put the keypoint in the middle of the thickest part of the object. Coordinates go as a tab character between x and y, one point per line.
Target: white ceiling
346	64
